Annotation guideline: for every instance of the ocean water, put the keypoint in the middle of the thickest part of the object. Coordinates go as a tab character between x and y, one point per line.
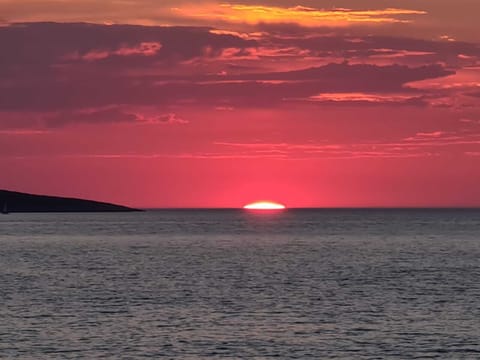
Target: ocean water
316	284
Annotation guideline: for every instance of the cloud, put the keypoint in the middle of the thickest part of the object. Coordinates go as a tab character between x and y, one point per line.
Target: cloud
66	118
328	42
55	46
23	132
306	16
143	49
426	135
87	66
431	19
368	98
390	76
42	123
254	89
470	121
291	151
166	119
422	144
473	94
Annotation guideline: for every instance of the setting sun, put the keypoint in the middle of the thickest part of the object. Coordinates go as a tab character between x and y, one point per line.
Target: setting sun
264	205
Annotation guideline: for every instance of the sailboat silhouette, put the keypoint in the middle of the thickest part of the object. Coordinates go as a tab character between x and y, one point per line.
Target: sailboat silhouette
5	208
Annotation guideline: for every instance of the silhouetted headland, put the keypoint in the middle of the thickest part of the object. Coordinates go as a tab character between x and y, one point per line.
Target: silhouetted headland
11	201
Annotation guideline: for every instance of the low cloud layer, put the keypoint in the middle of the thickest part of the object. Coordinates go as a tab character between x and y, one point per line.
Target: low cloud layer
83	66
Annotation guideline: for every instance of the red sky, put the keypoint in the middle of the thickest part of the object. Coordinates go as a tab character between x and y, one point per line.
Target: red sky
210	104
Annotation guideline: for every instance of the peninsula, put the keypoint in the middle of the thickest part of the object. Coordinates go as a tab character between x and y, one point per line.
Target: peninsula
11	202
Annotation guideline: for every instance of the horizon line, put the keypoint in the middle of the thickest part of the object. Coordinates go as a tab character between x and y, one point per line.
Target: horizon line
477	207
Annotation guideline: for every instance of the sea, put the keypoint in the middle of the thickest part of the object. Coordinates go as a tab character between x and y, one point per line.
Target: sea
237	284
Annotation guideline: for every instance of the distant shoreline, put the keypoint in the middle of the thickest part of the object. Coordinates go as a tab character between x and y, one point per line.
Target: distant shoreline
18	202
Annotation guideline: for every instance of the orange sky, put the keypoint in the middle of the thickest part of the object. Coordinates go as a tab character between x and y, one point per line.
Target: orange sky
307	104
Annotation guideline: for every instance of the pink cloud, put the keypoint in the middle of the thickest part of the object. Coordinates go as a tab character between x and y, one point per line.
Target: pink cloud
144	49
166	119
373	98
427	135
21	132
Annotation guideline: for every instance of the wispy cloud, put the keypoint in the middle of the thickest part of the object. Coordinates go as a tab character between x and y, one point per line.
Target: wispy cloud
165	119
369	98
420	145
24	132
143	49
302	15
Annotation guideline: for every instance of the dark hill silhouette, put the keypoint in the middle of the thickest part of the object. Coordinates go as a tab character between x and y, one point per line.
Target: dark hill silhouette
11	201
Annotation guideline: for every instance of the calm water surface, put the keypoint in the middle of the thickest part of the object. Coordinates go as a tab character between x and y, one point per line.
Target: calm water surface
232	284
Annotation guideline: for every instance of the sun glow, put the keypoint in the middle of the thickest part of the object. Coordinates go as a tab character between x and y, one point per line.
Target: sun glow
264	205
